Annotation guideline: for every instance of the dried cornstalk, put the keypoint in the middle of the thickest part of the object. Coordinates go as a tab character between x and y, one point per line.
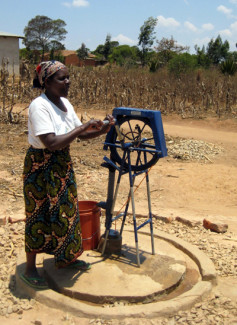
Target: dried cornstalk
193	95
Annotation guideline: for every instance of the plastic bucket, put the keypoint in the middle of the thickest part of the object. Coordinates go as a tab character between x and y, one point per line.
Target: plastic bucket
90	224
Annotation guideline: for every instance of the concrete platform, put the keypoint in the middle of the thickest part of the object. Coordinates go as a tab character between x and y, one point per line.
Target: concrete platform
118	278
175	278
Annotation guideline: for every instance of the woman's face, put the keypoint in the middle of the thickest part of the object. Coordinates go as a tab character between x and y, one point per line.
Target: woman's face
58	84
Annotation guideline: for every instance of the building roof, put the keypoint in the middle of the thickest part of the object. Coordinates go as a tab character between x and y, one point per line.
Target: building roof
4	34
69	52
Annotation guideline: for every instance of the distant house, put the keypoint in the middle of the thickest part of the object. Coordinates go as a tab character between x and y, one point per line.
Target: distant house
9	51
71	58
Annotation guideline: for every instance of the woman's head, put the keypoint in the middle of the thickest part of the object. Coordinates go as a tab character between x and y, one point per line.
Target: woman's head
44	71
53	76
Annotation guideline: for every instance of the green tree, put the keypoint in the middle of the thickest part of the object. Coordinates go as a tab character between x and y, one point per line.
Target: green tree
124	55
57	46
167	48
25	54
82	52
31	55
42	32
202	58
104	50
99	51
146	38
114	44
233	56
55	52
107	46
217	50
182	63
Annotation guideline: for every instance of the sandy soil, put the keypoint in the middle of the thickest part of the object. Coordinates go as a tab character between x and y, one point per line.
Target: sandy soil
188	189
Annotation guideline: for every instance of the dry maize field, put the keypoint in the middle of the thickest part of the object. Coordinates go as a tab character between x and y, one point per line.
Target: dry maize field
193	95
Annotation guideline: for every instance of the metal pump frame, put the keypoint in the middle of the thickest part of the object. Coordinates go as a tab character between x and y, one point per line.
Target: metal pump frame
116	140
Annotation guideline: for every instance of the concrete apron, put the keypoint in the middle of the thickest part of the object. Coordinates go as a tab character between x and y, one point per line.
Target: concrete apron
175	278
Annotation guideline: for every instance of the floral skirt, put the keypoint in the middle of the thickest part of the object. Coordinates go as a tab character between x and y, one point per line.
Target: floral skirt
51	205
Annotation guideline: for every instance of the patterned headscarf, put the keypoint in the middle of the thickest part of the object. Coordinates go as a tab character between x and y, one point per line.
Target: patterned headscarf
46	69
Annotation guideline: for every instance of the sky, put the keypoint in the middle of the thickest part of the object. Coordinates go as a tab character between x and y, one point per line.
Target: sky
189	22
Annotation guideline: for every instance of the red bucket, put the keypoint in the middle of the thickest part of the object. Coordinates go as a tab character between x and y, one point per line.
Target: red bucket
90	224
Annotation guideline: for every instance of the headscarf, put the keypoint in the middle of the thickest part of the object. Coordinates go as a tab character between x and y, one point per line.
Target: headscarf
46	69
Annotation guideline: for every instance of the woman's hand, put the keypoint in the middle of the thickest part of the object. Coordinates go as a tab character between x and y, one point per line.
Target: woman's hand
97	127
111	119
93	125
107	123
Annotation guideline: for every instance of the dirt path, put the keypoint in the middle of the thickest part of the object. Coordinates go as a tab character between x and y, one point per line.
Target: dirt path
206	189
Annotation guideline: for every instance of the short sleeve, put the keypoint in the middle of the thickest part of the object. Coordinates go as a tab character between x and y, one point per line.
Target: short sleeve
40	120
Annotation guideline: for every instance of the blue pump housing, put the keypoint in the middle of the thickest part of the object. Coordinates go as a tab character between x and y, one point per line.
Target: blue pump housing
155	123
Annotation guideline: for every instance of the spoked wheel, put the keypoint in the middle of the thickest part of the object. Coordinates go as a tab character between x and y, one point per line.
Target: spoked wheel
138	136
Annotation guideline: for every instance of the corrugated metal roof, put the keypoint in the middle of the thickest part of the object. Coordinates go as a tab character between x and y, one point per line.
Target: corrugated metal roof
10	35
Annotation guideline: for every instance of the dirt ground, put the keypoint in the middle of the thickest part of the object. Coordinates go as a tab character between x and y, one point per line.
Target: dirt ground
189	189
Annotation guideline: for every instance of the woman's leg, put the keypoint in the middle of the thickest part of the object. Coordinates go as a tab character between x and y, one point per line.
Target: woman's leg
31	270
31	275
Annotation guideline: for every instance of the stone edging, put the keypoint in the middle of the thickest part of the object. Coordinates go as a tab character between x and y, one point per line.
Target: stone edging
204	263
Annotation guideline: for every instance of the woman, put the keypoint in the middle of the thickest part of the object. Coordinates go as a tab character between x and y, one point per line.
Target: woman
50	192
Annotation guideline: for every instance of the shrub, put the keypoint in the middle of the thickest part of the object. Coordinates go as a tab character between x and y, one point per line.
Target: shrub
182	63
228	67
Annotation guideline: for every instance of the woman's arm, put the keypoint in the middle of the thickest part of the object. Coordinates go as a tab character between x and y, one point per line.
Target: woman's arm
89	130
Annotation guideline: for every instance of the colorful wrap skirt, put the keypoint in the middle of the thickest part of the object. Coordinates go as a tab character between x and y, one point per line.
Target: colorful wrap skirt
51	205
